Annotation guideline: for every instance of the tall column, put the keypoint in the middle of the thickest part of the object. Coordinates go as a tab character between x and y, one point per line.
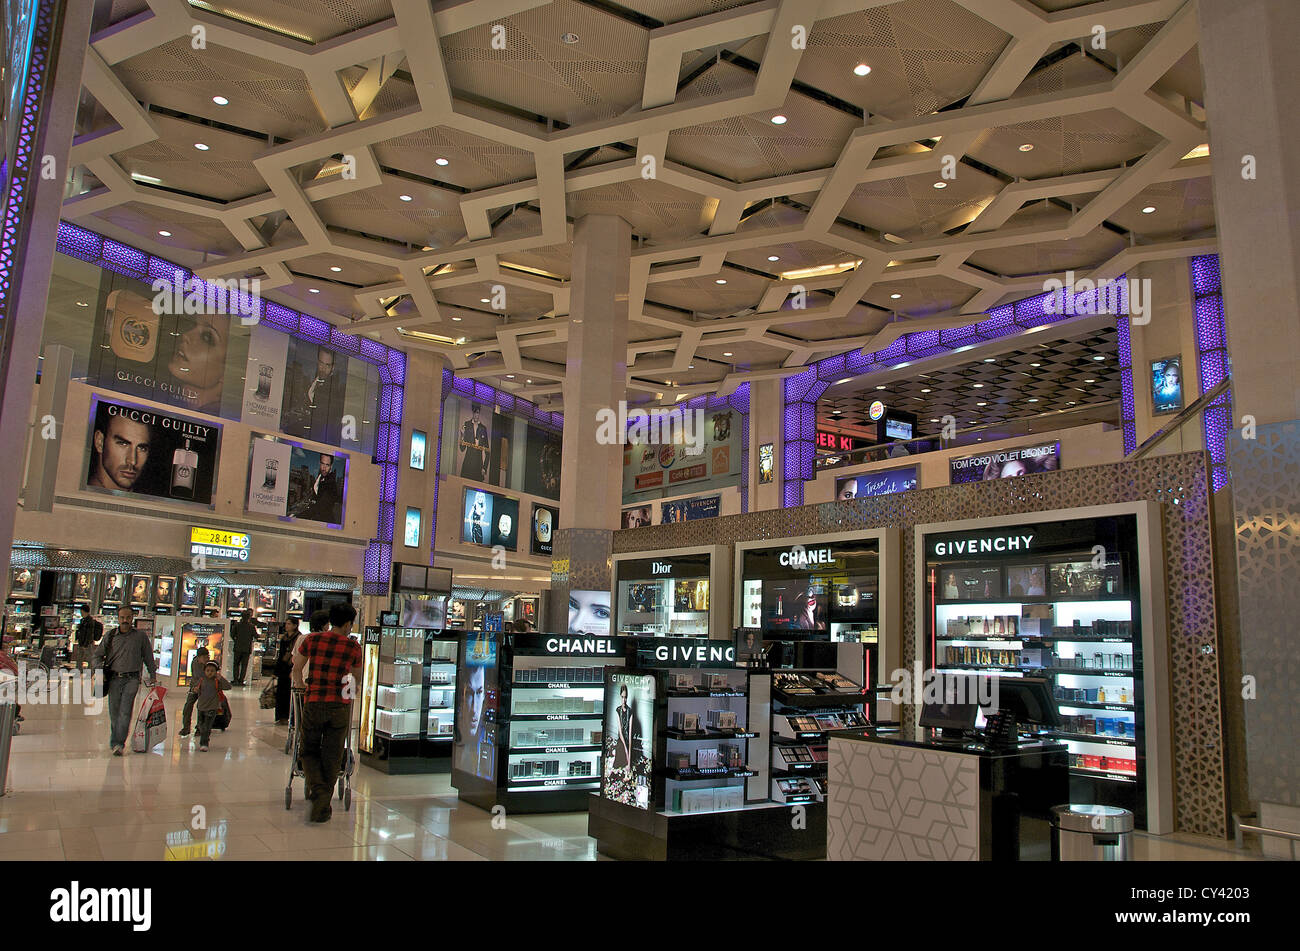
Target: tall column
591	469
48	117
1247	52
766	413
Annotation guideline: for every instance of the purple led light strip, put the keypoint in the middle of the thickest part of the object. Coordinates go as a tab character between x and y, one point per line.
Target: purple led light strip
131	262
799	423
1213	362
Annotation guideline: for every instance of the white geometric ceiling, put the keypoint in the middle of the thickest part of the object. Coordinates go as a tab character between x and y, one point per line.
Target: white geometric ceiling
543	131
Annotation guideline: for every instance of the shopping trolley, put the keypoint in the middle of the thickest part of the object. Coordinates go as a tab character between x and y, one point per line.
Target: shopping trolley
294	744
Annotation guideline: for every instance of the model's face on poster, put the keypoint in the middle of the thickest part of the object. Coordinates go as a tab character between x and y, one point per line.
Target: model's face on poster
324	364
200	355
123	449
474	696
588	612
849	490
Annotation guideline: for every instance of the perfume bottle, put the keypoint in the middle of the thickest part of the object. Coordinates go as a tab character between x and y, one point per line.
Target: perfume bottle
185	463
272	473
264	374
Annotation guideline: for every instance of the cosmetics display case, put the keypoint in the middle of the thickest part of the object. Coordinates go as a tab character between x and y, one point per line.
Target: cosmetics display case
529	729
808	705
407	697
678	781
680	593
1068	597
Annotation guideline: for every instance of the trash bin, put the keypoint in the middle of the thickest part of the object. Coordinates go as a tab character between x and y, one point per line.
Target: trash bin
7	713
1088	833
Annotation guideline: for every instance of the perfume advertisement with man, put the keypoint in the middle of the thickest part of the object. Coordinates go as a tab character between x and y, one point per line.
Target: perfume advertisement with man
135	450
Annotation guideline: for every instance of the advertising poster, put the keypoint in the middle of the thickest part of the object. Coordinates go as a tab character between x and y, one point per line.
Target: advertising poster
474	741
542	463
766	464
411	529
662	450
1005	464
164	592
268	352
589	612
688	510
140	590
150	348
114	587
314	388
422	612
266	599
318	484
189	593
1166	385
138	451
419	441
629	728
490	519
474	456
876	483
795	604
636	517
268	477
83	586
296	600
196	634
545	519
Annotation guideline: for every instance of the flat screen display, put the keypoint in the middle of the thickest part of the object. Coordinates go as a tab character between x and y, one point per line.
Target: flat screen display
970	584
629	729
794	604
1083	579
411	531
1166	385
897	429
644	597
425	613
1026	581
544	522
854	599
418	442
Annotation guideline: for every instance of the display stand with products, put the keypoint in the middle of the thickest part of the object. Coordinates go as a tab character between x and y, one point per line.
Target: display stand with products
678	775
529	731
407	693
1068	596
808	705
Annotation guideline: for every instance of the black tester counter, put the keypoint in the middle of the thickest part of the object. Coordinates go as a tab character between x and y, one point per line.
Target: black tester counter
942	799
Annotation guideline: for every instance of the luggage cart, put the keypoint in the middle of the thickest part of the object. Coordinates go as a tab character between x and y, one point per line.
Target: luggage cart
295	754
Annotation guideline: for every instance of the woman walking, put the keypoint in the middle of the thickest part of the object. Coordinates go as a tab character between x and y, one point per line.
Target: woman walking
283	669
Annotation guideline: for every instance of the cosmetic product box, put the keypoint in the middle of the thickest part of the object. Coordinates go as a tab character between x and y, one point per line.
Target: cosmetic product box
728	797
679	761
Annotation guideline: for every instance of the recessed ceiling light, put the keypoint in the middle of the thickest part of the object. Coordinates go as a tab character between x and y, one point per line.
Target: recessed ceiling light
441	161
313	290
405	197
940	184
1089	381
335	268
484	300
925	390
934	419
779	120
165	234
1033	399
835	412
691	367
569	38
861	69
1149	209
528	381
881	386
773	257
721	280
510	376
895	296
981	404
1027	147
727	353
1099	357
202	147
1035	364
82	303
977	386
457	318
990	359
221	100
1070	403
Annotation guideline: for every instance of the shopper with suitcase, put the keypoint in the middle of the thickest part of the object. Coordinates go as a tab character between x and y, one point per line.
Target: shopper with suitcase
123	652
335	661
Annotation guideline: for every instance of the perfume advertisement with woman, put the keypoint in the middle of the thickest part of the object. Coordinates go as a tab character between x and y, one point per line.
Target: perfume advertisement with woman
629	728
141	451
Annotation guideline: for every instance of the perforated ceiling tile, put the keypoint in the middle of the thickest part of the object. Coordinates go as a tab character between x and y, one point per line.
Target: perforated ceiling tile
316	21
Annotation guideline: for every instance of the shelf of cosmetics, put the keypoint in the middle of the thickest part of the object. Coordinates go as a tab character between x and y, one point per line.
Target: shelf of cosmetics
559	677
1010	627
398	673
799	688
1041	659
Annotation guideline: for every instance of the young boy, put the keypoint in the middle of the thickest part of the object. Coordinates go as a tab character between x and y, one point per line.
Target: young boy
196	675
209	702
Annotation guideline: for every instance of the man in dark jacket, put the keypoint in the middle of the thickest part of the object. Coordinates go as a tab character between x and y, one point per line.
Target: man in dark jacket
124	652
242	636
89	631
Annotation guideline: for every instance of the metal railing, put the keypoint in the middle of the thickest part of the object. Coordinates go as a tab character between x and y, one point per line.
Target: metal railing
1185	415
1241	828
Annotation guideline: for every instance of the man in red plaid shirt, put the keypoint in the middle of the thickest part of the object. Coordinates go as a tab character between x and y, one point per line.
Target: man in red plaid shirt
335	661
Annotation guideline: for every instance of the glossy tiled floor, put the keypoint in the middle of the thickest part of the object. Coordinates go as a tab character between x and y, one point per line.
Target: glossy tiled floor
68	799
